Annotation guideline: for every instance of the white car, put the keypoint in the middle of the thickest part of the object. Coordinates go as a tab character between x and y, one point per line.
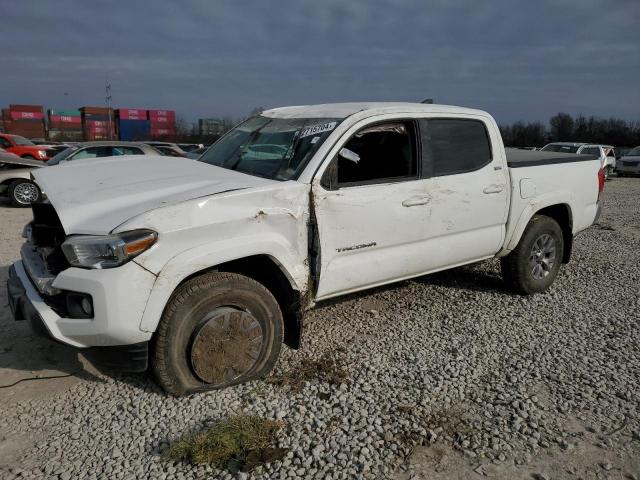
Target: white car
606	153
202	269
629	164
15	179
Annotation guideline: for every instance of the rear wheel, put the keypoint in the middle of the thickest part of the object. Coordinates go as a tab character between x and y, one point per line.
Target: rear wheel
219	329
534	264
23	193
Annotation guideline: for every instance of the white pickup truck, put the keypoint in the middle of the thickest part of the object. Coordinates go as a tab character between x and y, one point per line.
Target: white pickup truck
202	269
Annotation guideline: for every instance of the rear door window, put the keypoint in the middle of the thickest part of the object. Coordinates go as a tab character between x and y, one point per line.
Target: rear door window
452	146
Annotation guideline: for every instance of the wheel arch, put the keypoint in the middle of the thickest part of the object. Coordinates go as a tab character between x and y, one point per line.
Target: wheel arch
562	214
263	268
557	208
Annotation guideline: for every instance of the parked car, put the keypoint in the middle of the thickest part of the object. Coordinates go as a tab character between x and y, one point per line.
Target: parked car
629	164
23	147
98	149
190	147
196	154
201	269
606	153
622	151
170	151
15	179
168	148
53	147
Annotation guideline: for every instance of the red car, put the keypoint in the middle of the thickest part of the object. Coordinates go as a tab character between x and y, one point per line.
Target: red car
23	148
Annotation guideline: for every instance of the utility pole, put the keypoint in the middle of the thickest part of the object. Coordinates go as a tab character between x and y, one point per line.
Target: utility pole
107	98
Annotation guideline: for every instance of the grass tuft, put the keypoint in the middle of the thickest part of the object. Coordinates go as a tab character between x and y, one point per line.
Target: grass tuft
240	442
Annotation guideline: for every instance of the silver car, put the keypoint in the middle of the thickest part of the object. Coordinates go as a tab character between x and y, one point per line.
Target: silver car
15	179
101	149
629	164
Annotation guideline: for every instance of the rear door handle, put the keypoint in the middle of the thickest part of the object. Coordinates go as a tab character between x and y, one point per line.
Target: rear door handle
493	189
417	200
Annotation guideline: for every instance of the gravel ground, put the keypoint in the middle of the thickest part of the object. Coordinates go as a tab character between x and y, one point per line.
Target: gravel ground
449	376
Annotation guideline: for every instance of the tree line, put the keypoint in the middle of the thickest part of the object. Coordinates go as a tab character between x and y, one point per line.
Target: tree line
565	128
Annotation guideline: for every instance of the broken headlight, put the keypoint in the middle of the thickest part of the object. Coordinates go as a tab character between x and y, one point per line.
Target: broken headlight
107	251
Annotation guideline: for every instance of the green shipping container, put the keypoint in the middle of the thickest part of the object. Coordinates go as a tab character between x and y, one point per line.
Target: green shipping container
66	113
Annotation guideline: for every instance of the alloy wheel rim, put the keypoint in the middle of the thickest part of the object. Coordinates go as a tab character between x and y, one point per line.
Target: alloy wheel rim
226	345
543	256
25	193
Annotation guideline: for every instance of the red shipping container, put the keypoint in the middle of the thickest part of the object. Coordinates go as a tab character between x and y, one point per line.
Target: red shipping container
96	110
26	108
131	114
162	114
15	115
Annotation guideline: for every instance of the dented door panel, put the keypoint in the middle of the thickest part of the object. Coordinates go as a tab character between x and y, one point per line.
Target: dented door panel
367	235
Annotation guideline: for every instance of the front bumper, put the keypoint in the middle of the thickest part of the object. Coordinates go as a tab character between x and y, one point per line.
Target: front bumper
629	168
119	299
26	304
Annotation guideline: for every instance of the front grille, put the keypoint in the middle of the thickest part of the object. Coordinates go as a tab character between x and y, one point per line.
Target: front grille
47	234
630	164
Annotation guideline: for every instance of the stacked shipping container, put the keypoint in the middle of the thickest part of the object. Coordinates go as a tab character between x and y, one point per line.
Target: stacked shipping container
97	123
132	124
65	125
24	120
162	124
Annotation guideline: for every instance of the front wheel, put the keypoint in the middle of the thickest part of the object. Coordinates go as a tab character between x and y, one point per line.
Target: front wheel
218	329
534	264
22	193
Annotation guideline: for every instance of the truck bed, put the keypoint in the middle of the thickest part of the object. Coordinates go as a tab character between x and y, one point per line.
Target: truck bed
517	158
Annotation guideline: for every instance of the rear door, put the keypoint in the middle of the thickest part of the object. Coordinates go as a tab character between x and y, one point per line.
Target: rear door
468	185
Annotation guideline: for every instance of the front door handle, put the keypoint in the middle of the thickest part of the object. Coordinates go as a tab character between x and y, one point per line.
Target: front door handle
417	200
493	189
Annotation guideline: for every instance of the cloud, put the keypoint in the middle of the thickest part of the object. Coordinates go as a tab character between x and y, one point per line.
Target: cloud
206	58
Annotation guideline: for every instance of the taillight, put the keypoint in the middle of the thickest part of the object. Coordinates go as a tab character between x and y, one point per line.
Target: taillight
600	182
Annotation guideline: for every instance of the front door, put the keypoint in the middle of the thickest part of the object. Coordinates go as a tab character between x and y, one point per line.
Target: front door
370	210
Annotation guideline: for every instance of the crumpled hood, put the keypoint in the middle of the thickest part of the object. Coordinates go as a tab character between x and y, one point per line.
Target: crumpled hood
94	196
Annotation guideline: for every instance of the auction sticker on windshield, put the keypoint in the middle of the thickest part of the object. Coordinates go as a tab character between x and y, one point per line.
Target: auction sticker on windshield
323	127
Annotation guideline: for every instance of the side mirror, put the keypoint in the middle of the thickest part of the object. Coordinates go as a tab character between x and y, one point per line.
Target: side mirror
349	155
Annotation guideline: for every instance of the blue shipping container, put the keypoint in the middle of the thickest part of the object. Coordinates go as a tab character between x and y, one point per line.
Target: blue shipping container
132	130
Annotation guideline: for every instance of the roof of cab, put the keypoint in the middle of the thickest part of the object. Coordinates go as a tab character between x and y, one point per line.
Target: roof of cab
343	110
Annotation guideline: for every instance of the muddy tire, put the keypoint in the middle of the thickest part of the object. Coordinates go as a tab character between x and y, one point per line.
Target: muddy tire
23	192
218	329
534	264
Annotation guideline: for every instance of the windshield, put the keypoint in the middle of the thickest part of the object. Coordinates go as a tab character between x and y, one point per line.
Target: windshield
633	152
274	148
56	159
22	141
556	147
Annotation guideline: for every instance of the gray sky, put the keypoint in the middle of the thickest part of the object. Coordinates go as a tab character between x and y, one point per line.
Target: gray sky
517	59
